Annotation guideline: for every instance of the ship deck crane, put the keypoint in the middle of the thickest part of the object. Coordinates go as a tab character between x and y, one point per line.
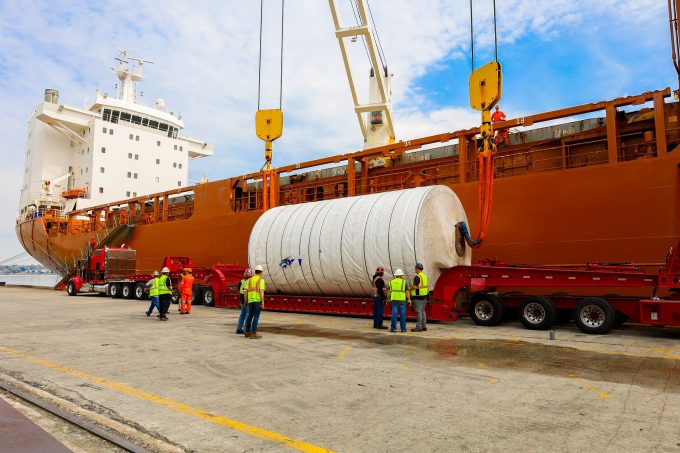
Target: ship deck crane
378	128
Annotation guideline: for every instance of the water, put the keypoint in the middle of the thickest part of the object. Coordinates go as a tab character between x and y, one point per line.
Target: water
46	280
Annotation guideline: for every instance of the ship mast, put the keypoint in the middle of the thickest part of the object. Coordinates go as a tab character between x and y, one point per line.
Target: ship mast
129	77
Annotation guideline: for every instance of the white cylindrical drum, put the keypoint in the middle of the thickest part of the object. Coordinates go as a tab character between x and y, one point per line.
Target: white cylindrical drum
333	247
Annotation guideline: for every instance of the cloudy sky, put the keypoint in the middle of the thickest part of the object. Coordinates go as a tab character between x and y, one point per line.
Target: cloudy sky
555	54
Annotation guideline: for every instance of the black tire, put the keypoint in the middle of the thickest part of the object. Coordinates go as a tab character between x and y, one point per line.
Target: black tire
487	309
127	291
115	290
175	296
594	315
537	313
208	297
196	295
71	289
140	293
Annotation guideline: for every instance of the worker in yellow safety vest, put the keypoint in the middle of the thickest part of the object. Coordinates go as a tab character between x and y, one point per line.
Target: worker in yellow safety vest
419	294
243	289
255	297
164	292
399	297
152	285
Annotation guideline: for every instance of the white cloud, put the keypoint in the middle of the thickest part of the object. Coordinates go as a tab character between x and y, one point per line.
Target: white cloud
206	53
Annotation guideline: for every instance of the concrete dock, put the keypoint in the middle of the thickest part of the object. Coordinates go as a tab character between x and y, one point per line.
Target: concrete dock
317	383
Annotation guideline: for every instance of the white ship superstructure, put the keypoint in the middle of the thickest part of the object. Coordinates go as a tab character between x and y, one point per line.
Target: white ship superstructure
117	149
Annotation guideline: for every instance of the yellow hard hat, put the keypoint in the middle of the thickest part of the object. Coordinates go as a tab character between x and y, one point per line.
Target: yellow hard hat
188	269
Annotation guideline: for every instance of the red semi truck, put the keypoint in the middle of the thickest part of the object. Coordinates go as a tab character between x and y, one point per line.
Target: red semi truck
112	272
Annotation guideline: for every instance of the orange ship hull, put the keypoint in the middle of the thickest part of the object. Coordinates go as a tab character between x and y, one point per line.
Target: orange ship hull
626	209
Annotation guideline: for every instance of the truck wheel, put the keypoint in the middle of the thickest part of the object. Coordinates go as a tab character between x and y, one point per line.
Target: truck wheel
140	294
208	297
537	313
71	289
487	309
196	295
127	292
594	315
114	290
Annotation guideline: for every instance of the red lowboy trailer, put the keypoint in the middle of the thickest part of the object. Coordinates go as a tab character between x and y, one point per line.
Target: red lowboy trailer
541	294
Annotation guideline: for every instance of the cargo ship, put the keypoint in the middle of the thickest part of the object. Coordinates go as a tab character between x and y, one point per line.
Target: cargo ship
605	189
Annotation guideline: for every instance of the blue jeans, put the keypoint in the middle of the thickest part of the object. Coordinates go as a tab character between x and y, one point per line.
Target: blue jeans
402	316
378	311
253	317
154	303
242	317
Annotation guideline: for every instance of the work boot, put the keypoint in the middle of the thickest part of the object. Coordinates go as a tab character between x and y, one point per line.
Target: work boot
416	329
382	327
240	332
247	334
254	336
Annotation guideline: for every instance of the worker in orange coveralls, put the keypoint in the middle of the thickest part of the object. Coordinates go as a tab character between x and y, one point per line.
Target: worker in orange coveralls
501	134
186	286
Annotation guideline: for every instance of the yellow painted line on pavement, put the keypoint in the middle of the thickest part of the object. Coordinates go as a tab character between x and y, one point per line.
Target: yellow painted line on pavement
344	352
588	386
170	404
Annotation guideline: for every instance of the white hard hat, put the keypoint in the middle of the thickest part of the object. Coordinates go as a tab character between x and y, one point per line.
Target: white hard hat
165	270
259	268
398	273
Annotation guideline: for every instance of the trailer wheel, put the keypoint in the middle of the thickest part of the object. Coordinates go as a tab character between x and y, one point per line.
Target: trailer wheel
594	315
537	313
71	289
140	294
127	292
208	297
487	309
196	295
114	290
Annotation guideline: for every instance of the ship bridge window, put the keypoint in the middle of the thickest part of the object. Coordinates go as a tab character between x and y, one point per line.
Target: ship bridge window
114	116
174	132
145	122
153	124
107	114
136	119
125	116
163	127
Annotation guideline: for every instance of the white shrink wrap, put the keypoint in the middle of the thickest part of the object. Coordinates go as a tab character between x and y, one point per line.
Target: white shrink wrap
333	247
